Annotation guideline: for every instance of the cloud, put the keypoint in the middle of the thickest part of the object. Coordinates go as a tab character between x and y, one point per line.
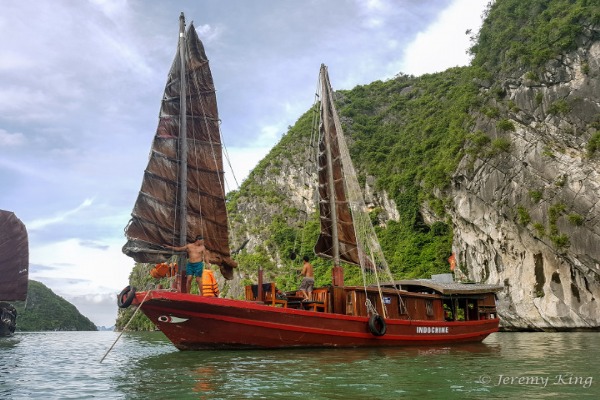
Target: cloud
44	222
243	160
443	45
100	308
374	12
209	33
8	139
93	245
39	268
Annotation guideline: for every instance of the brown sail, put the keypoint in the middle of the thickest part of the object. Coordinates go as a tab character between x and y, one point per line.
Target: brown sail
337	239
14	257
183	196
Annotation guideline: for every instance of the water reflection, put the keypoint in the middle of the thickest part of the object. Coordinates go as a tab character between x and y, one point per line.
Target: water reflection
205	383
295	373
9	361
7	343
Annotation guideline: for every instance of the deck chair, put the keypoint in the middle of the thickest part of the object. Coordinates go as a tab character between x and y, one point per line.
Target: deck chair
319	300
252	292
249	294
271	297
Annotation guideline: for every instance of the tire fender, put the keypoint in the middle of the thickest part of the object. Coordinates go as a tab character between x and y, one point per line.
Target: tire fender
129	294
377	325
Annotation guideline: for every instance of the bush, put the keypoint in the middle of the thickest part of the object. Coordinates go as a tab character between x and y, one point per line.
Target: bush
532	76
539	97
559	107
575	219
505	125
593	144
524	217
540	229
585	68
536	195
500	145
560	241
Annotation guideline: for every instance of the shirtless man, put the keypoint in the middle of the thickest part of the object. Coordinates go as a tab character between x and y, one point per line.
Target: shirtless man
197	254
308	282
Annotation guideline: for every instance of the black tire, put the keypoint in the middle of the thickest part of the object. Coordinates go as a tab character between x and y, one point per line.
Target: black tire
129	294
377	325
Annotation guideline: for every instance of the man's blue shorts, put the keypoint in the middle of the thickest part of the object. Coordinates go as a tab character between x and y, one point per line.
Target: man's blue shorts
194	269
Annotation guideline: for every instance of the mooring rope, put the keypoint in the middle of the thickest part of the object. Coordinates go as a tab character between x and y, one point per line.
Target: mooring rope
126	325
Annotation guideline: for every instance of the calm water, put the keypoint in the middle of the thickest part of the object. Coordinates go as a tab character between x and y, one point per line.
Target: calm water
63	365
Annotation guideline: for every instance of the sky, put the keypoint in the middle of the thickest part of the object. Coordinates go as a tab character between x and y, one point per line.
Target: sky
80	89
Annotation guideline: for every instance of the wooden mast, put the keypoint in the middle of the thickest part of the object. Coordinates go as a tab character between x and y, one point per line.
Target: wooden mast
326	102
182	203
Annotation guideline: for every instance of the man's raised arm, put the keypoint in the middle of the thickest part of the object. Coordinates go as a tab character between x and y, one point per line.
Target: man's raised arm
175	248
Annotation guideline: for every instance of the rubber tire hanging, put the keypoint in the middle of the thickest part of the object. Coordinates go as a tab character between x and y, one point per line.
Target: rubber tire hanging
377	325
130	293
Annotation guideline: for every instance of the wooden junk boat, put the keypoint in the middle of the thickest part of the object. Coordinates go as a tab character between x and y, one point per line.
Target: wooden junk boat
183	196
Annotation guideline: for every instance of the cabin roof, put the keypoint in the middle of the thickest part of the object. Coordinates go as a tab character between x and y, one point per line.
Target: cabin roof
450	287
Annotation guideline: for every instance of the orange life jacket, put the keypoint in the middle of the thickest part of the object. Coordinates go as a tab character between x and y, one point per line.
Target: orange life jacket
452	262
163	270
210	288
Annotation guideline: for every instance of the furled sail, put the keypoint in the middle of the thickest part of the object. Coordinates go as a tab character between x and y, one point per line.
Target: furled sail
347	233
14	257
337	239
157	214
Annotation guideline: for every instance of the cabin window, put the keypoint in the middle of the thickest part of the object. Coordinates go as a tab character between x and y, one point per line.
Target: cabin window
448	313
429	308
471	311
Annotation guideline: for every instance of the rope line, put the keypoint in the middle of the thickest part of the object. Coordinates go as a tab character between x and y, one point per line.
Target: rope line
125	328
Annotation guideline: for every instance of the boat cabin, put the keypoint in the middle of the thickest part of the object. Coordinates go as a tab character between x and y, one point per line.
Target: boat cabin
418	299
453	300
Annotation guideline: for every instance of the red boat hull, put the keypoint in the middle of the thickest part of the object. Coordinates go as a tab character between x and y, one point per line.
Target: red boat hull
194	322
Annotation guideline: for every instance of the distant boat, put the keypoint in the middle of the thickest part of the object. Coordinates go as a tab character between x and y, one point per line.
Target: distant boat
182	196
14	269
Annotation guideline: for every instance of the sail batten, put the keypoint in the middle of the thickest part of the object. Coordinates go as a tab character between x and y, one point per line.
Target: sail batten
337	239
182	194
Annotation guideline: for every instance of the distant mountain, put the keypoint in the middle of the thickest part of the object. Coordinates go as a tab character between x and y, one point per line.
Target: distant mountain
104	328
45	311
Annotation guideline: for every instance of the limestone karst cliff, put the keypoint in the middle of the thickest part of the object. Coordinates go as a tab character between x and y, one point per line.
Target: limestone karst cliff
528	219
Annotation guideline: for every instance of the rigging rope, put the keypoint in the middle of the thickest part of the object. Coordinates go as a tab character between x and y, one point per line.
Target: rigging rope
308	169
125	327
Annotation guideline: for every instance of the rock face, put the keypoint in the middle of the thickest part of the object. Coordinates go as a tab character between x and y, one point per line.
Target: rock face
529	216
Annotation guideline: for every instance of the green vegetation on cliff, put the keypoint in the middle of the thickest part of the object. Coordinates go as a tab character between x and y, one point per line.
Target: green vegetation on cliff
45	311
524	34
